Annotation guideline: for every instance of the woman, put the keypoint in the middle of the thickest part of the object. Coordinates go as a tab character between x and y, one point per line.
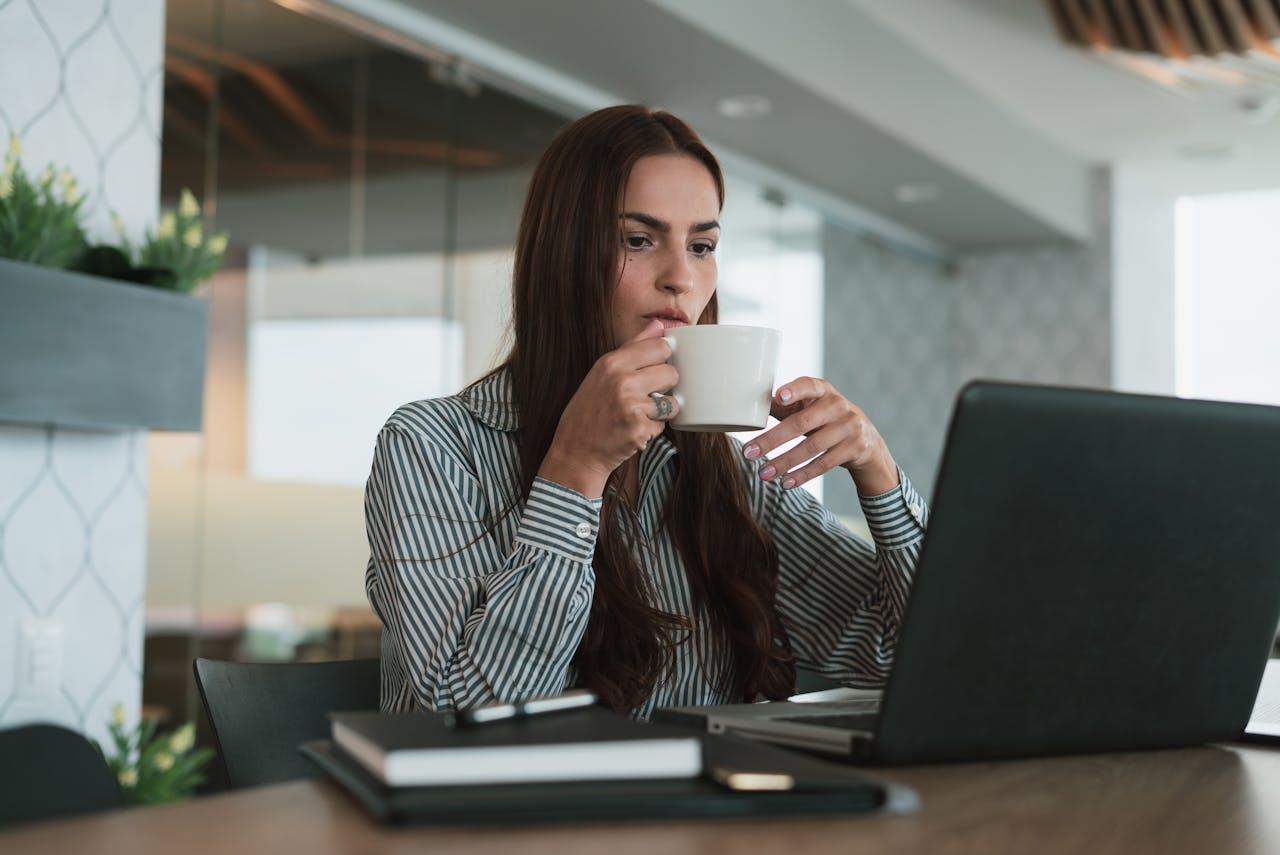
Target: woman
544	528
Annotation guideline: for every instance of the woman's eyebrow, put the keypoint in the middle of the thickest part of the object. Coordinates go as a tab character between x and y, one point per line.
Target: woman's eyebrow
663	226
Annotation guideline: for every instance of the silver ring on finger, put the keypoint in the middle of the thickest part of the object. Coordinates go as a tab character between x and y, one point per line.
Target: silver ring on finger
662	405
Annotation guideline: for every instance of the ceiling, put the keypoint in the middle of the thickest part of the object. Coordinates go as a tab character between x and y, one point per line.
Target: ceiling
976	99
645	51
1089	107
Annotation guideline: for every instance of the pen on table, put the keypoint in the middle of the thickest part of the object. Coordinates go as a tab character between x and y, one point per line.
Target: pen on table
489	713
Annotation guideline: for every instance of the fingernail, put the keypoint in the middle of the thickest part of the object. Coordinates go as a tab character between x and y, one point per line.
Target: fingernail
789	483
785	395
767	473
751	452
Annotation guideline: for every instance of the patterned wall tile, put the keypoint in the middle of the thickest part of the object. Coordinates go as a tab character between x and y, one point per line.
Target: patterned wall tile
81	86
72	554
887	324
903	335
1041	316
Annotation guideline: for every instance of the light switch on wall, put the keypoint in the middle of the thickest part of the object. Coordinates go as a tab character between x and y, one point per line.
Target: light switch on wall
40	656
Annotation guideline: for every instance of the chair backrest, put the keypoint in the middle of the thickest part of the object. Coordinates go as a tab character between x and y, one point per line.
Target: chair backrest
48	771
260	713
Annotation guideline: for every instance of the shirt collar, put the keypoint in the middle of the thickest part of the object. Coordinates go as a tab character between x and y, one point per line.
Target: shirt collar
492	401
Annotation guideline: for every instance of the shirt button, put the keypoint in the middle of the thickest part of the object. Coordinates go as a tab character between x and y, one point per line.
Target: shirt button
583	530
916	507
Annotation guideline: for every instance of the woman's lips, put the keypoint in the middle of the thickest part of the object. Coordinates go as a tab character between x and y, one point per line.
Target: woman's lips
667	323
669	318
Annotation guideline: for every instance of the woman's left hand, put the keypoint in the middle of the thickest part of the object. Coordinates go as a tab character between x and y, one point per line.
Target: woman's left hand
837	433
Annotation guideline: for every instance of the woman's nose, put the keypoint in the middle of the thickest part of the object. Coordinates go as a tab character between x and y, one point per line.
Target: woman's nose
677	275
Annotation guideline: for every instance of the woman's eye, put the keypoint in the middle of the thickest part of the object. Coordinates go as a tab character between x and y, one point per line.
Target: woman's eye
636	241
703	248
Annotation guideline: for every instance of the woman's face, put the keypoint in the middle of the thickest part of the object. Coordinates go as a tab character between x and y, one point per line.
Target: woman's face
667	264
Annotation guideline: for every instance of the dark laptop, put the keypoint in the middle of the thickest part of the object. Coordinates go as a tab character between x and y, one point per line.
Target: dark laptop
1101	572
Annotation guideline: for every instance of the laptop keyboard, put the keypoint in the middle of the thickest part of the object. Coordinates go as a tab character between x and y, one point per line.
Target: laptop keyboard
1267	706
855	721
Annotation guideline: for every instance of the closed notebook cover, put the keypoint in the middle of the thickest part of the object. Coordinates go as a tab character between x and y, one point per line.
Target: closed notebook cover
588	744
632	800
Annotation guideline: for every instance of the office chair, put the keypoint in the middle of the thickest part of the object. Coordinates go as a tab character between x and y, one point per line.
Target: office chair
48	771
260	713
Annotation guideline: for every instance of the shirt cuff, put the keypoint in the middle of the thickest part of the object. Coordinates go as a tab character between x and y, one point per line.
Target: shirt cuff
561	520
897	518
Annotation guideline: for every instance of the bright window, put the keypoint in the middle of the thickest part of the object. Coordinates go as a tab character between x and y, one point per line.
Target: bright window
1228	297
320	389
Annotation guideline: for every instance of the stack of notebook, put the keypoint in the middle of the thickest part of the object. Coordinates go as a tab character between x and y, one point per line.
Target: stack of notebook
585	765
422	749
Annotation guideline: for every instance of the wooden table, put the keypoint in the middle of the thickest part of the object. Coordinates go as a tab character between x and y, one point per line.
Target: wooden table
1201	800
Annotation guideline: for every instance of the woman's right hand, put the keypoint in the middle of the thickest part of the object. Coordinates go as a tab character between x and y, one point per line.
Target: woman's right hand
612	416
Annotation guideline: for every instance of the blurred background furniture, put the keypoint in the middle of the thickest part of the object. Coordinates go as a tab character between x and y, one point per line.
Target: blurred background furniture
47	771
261	712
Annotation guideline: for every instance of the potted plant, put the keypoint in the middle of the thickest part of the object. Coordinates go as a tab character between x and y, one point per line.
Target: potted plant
82	341
40	218
154	768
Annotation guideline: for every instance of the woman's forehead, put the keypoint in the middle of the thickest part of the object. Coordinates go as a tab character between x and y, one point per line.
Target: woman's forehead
672	187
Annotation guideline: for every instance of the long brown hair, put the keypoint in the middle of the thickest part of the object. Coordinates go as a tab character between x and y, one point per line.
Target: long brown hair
566	266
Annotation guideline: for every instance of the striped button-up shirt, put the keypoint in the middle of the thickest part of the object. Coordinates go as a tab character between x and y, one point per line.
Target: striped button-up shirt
470	617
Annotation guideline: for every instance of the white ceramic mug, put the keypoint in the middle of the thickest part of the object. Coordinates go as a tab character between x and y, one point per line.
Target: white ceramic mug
726	376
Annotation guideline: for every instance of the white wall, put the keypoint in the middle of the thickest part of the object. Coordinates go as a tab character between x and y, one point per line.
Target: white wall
1142	296
80	85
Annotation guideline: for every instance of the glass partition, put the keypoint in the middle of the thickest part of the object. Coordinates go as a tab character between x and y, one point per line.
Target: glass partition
372	199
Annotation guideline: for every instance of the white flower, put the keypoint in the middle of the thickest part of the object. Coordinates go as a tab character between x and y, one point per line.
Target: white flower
46	177
15	148
193	237
163	761
67	186
128	777
218	244
183	738
188	206
168	224
6	186
117	715
117	224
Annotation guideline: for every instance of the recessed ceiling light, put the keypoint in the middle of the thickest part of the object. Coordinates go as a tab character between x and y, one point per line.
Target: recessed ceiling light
1259	109
745	106
1207	151
911	194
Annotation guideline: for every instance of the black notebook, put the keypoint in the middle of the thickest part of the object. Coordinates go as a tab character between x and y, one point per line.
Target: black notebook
595	744
621	800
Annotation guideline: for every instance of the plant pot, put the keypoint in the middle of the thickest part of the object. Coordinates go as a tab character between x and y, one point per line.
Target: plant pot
82	351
